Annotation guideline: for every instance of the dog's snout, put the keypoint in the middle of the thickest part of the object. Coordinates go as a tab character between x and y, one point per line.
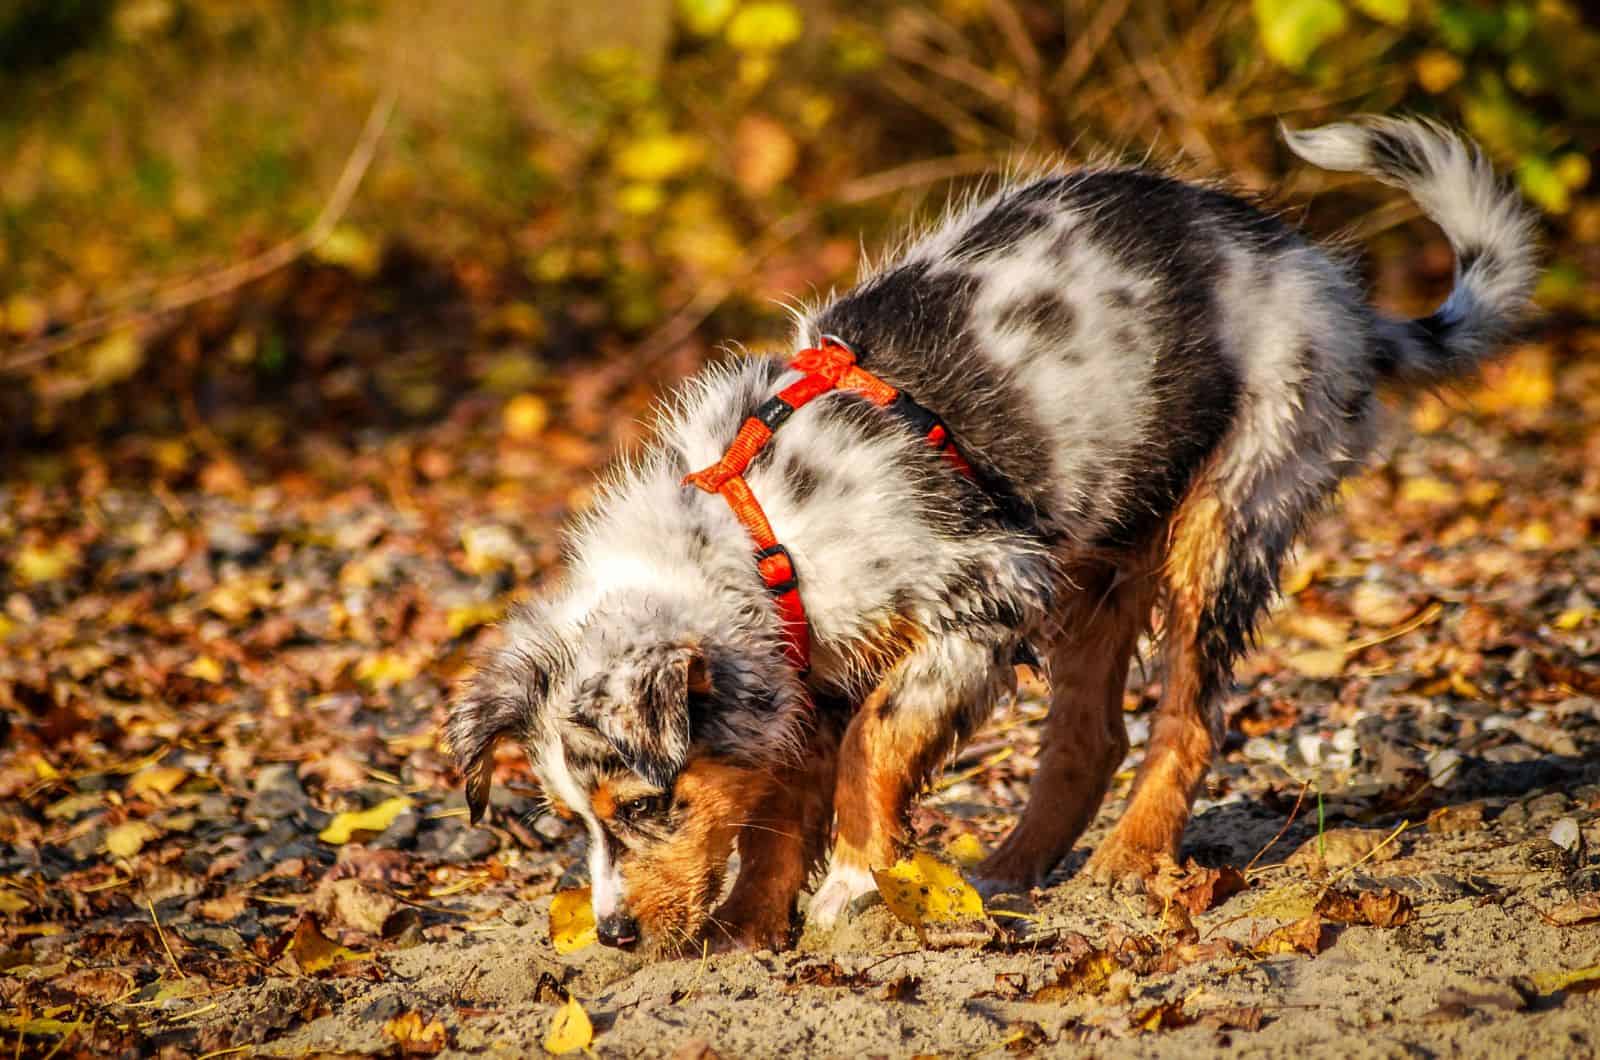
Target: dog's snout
618	929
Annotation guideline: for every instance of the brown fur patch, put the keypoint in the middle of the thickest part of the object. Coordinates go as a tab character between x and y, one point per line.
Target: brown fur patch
1181	745
785	839
673	883
885	761
1085	738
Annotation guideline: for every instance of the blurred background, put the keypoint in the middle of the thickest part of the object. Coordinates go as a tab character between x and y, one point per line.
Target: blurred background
268	217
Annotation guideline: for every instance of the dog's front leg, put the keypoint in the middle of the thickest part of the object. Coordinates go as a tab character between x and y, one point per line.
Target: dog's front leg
935	696
778	847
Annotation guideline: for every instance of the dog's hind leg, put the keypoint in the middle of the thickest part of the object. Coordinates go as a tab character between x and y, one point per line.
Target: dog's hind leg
1085	738
934	697
1220	573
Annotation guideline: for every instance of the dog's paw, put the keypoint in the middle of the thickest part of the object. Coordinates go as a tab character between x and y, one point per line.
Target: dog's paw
741	931
1126	868
843	885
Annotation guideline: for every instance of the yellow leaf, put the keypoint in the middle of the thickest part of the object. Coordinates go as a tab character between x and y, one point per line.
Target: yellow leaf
115	357
35	564
571	920
162	780
25	314
764	154
21	1026
1585	979
128	838
1291	30
1394	12
386	669
924	890
408	1029
459	620
206	668
314	952
965	849
1318	663
1438	70
12	903
1425	489
705	17
656	158
350	248
344	826
525	416
570	1030
764	27
1523	381
1572	618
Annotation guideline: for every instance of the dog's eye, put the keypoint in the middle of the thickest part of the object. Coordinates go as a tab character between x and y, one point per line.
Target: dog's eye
636	811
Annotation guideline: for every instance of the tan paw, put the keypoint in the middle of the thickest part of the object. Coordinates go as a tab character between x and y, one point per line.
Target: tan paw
1125	867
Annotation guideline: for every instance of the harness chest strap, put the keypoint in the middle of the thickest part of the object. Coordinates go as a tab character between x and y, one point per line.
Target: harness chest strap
831	365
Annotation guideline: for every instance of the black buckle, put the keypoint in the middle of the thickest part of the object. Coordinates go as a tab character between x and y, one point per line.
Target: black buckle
782	587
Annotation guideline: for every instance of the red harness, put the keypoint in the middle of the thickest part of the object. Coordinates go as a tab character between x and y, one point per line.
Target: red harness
828	366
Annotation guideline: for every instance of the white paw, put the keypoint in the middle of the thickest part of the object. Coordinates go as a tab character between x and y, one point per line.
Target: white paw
842	885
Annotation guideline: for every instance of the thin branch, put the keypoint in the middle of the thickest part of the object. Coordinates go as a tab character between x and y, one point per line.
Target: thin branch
212	284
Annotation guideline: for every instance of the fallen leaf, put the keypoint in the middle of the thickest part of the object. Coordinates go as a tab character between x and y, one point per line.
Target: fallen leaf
1321	663
570	1029
161	780
12	903
1089	974
128	838
572	920
1382	909
1308	936
345	826
902	989
1234	1018
313	952
416	1037
1167	1016
1580	910
1577	981
965	850
1343	847
36	564
825	973
525	417
225	908
924	889
1198	888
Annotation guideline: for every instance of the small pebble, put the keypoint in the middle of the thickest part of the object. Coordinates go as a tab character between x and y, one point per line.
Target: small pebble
1564	834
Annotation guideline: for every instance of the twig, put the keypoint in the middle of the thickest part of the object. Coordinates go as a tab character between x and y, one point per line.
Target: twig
162	935
232	277
1087	47
1286	825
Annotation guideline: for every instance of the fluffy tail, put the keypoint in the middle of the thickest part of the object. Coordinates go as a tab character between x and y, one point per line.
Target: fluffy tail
1485	220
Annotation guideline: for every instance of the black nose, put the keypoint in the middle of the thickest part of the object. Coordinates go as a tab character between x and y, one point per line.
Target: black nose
618	929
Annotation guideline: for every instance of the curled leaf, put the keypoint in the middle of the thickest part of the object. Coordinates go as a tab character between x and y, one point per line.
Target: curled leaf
923	889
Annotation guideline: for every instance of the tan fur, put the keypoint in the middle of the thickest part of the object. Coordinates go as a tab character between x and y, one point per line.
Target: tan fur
673	882
1181	744
1085	737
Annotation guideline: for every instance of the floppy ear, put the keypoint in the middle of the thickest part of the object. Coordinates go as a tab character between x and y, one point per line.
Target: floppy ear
648	722
500	700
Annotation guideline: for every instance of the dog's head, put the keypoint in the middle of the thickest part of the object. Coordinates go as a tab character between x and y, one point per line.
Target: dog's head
661	739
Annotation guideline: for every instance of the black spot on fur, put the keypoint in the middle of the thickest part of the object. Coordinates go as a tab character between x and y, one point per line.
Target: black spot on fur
910	327
801	478
1005	224
1120	298
1048	316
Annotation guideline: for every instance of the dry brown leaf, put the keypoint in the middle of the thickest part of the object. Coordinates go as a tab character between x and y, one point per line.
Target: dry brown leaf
1166	1016
1089	974
312	952
1580	910
1383	909
1308	936
1198	888
1342	847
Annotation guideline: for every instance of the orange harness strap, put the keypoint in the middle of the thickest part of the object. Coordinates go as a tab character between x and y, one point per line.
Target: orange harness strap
828	366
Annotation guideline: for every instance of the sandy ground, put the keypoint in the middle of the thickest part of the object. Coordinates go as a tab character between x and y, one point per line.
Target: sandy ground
1467	975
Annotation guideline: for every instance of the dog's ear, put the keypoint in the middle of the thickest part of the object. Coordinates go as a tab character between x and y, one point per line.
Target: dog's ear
648	719
502	699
